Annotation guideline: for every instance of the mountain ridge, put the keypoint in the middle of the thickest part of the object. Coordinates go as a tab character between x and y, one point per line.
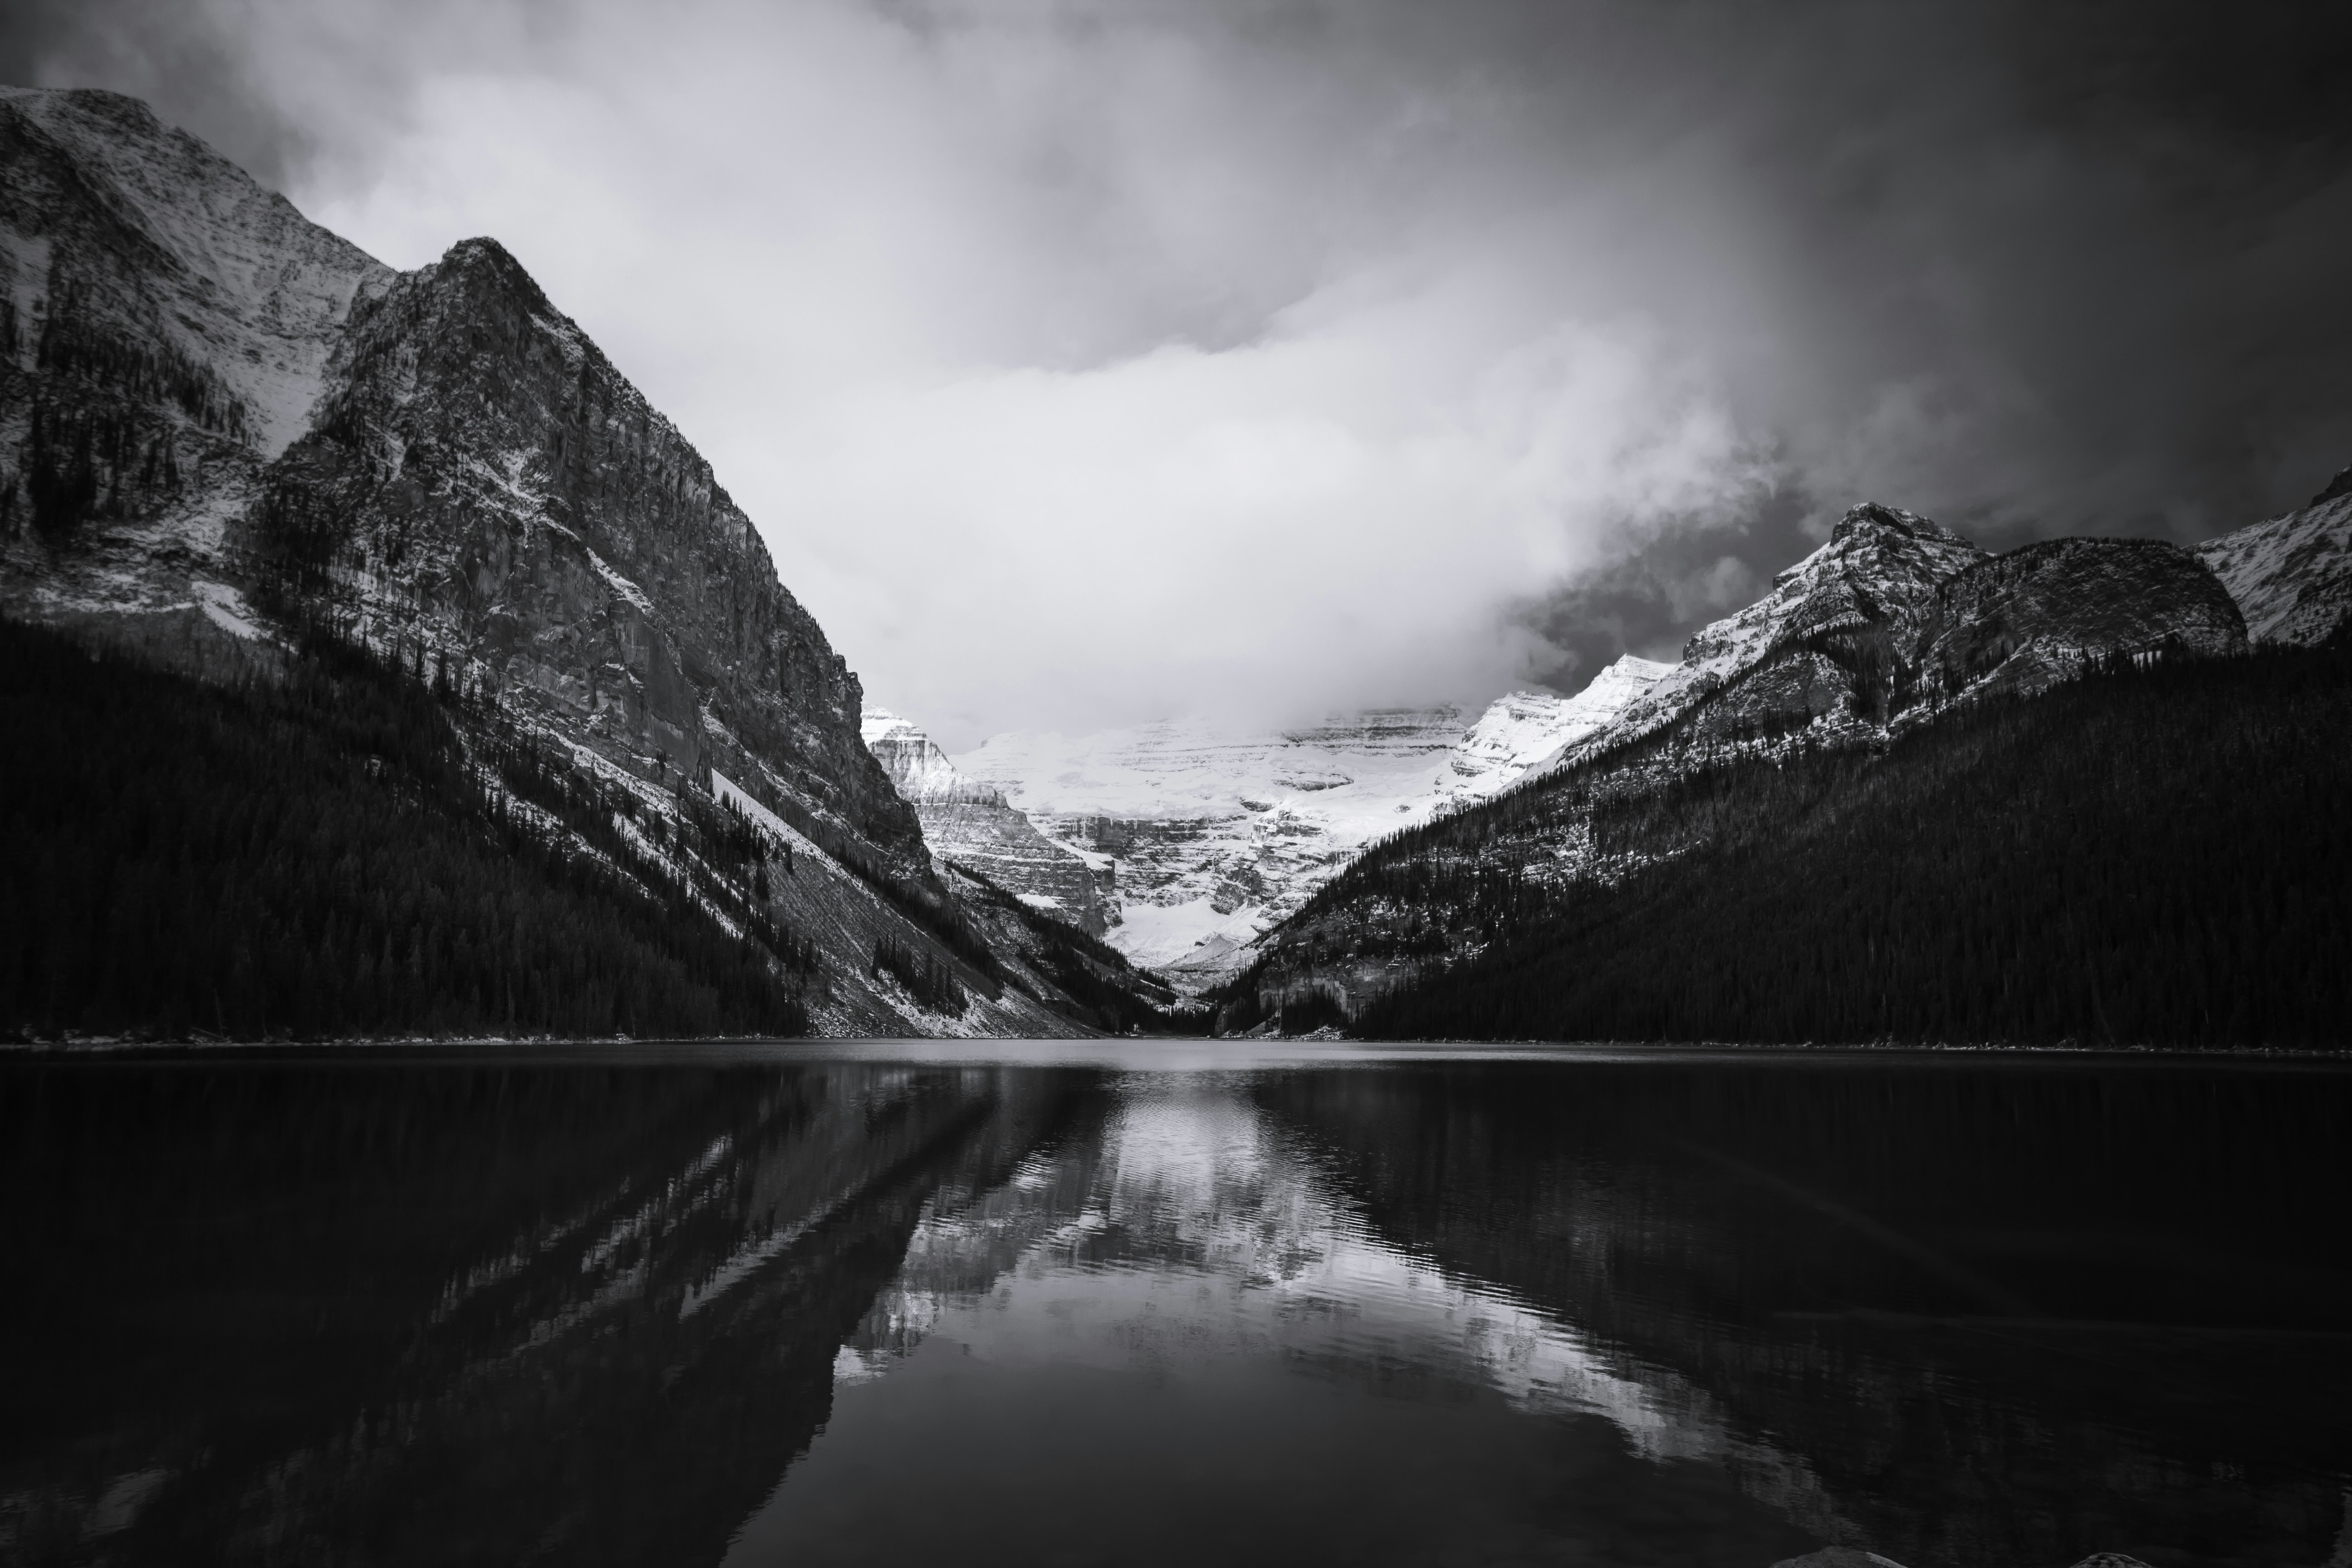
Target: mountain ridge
237	435
1893	627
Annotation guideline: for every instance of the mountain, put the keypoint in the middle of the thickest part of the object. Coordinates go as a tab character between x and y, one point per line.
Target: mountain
1208	835
2291	575
970	824
1917	791
2023	621
238	441
1201	839
1526	732
1817	647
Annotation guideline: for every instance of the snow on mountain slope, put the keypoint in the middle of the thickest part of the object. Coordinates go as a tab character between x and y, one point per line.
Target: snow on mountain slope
919	770
1873	581
2291	575
247	284
1215	837
1527	732
968	824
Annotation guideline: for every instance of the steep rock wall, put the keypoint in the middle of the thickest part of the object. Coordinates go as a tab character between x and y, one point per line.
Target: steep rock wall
481	473
968	824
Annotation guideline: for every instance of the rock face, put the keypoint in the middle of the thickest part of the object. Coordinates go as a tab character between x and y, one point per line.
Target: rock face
165	325
219	421
480	474
216	395
1831	641
2291	575
968	824
2026	620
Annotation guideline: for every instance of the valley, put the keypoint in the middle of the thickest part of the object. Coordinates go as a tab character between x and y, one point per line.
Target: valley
356	503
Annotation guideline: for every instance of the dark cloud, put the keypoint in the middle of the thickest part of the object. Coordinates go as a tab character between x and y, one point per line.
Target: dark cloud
1365	295
1647	598
172	54
2030	269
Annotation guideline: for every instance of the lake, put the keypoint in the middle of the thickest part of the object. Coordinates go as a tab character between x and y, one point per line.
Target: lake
1204	1302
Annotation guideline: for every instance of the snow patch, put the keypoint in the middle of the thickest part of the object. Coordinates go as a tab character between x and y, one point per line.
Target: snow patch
226	608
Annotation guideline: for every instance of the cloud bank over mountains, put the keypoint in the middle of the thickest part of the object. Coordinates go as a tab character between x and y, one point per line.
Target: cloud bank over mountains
1086	363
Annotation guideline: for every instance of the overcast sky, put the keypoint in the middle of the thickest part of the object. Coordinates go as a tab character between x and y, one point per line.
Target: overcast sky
1086	363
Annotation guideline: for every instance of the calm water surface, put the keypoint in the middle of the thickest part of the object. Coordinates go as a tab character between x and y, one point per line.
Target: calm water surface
898	1305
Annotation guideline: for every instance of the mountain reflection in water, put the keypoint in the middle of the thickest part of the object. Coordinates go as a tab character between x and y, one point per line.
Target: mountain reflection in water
362	1309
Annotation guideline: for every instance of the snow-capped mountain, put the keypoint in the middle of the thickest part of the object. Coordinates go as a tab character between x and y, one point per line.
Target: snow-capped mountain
1526	733
227	424
1211	836
2291	575
1205	838
968	824
1867	595
1893	623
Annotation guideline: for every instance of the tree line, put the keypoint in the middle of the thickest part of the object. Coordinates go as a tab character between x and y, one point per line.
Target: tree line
310	853
2146	855
2155	855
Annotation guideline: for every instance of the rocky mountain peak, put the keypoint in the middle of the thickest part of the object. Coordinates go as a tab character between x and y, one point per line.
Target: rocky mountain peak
1831	638
1871	515
918	770
437	461
969	825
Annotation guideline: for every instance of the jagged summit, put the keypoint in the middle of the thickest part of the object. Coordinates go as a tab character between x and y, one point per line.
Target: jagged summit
1871	514
228	423
1866	649
919	770
1823	643
968	824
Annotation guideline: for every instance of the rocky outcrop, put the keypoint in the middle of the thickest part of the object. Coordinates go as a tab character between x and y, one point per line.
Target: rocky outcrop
969	825
2291	575
1847	623
2039	615
480	474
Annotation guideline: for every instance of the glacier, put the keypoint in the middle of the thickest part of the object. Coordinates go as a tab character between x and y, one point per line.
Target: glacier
1196	839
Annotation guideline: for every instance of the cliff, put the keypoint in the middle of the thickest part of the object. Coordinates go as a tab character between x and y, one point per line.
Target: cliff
234	435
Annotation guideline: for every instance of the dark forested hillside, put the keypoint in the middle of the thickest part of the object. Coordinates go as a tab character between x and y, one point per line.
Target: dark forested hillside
310	853
2141	856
